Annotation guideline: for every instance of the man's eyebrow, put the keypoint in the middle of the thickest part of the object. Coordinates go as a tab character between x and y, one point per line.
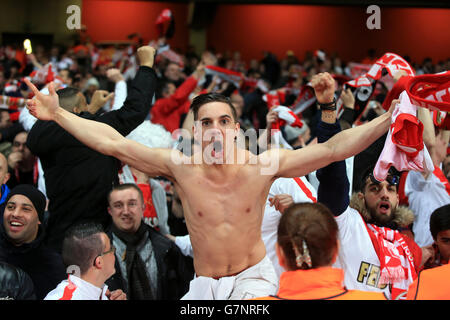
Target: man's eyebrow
23	204
204	119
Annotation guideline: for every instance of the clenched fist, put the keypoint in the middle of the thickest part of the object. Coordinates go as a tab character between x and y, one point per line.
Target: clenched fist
146	56
324	86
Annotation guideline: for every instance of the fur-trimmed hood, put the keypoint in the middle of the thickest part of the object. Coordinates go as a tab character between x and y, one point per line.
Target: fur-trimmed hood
403	216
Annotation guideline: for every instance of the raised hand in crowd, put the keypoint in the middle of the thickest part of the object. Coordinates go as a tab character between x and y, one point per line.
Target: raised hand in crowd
348	99
99	99
114	75
281	202
324	86
146	56
271	118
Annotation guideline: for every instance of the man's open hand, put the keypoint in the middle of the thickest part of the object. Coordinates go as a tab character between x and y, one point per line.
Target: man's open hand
324	86
146	56
43	107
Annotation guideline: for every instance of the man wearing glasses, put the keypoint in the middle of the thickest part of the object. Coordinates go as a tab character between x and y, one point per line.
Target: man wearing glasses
149	266
89	254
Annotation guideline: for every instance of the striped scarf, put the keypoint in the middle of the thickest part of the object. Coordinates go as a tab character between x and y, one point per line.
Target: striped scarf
396	259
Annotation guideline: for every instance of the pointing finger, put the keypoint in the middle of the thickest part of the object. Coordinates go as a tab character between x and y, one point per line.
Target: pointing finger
32	86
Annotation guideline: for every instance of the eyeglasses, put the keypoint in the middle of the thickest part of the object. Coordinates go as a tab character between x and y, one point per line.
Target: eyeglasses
393	180
112	249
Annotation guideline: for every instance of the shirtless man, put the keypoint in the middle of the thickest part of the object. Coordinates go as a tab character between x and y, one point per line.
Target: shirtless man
223	203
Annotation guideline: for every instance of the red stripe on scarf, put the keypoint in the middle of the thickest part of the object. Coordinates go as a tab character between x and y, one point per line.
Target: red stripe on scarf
305	189
440	175
382	252
68	291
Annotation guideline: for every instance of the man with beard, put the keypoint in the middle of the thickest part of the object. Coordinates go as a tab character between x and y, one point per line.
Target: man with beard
230	259
374	254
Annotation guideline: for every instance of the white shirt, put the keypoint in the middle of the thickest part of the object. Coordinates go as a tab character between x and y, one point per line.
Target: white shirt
357	256
424	196
272	216
77	289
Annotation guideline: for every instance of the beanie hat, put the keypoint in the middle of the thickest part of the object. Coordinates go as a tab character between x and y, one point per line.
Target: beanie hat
33	194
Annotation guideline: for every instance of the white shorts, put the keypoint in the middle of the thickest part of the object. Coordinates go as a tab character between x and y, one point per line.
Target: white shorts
259	280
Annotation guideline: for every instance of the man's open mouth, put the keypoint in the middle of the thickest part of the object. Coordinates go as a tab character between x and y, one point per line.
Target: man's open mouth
384	207
217	148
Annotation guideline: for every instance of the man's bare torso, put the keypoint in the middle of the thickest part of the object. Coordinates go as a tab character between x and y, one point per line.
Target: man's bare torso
223	207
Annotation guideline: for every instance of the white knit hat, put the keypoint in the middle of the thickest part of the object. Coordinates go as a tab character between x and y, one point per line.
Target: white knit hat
152	135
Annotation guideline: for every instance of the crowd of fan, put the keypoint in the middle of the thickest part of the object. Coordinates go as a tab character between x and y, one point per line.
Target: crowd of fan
93	72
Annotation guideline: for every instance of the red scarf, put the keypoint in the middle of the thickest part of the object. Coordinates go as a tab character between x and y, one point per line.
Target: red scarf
150	216
431	91
440	175
389	61
390	246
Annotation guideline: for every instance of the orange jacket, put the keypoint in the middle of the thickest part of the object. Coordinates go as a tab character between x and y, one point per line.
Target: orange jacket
322	283
431	284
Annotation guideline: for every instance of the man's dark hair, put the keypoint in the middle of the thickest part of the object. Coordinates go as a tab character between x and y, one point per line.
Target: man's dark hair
126	186
82	245
161	88
369	171
202	99
440	220
313	223
68	98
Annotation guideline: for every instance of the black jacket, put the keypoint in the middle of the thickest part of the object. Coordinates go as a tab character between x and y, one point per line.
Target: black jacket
78	178
15	284
44	266
175	271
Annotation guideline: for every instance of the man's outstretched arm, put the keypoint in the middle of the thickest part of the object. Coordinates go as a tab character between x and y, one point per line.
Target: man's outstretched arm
99	136
341	146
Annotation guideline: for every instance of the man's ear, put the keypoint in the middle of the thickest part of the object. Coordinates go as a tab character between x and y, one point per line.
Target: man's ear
6	178
109	210
360	196
98	263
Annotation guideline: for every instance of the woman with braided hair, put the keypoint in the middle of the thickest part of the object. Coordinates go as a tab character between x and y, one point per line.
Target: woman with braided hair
307	246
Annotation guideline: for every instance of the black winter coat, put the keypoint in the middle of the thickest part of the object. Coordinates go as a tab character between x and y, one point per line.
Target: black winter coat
175	271
15	284
78	178
44	266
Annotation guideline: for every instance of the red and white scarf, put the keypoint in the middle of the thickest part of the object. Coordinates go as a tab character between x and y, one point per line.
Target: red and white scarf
396	259
285	116
392	62
225	74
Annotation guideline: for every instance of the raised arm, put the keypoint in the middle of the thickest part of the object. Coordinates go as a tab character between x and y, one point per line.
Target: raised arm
341	146
334	186
100	136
